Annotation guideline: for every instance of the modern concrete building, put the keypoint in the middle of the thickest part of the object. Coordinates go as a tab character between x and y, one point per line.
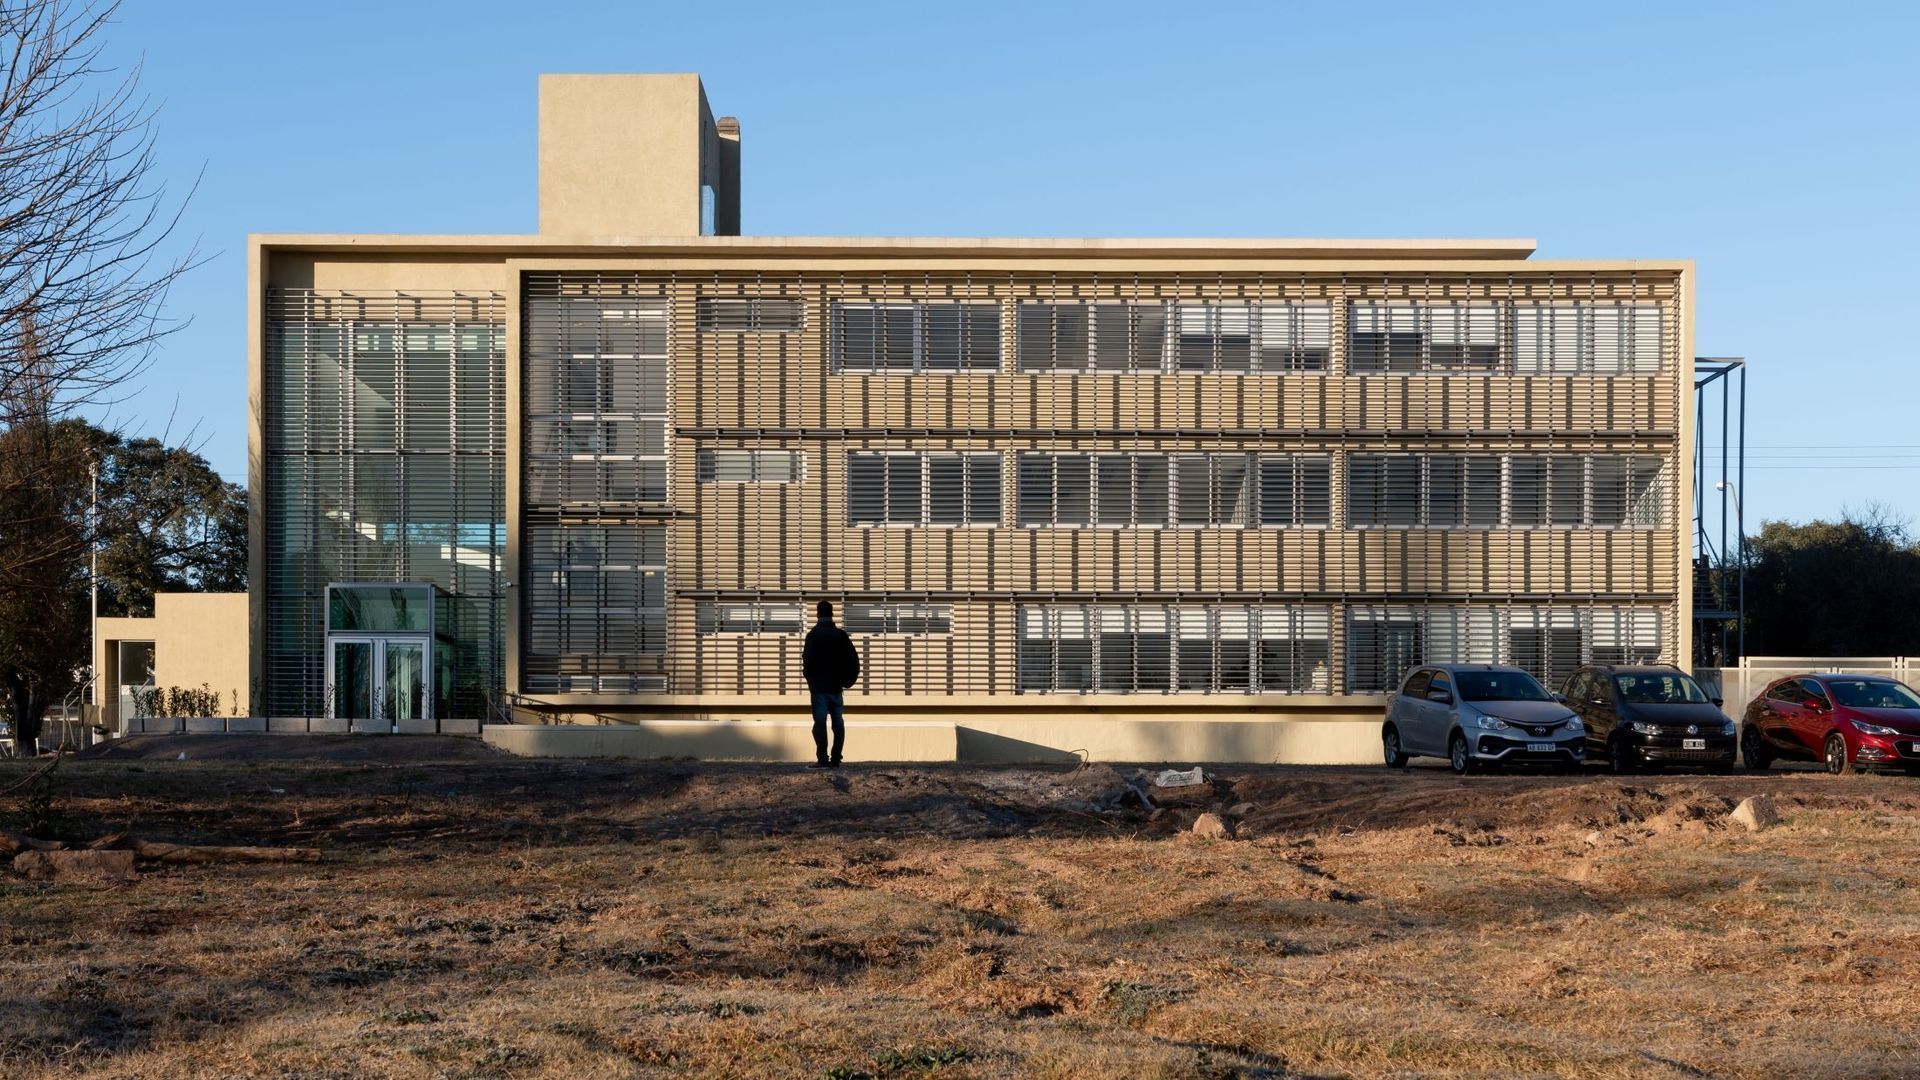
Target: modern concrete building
192	641
1145	498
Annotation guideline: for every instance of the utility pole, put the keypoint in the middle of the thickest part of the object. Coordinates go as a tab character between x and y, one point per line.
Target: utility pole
93	581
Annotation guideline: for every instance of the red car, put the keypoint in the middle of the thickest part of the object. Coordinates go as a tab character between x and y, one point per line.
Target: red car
1868	721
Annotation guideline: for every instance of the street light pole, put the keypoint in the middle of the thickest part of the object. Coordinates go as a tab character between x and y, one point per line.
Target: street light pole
93	580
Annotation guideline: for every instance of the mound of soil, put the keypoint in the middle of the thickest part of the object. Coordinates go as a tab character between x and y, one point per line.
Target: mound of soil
344	748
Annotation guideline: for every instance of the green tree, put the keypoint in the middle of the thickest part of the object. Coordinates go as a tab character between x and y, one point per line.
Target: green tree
169	523
1844	588
166	523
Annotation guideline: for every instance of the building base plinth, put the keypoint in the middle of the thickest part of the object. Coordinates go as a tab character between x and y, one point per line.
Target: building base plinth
987	742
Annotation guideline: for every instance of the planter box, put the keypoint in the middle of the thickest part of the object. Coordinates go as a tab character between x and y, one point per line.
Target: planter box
328	725
460	727
246	724
372	727
206	725
290	725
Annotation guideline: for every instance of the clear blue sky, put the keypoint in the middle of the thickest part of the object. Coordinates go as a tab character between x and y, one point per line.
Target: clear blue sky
1778	148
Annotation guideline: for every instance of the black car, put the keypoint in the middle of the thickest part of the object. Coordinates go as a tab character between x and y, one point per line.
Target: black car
1648	715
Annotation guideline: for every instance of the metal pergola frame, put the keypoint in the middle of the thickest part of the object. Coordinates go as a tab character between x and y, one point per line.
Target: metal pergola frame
1725	615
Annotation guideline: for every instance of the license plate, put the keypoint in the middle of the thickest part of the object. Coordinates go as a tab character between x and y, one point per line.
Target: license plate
1539	748
1693	744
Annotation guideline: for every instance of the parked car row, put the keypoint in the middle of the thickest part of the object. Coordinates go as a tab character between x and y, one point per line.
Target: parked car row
1646	716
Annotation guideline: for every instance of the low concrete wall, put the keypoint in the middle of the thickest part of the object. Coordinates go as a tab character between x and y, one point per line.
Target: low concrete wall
195	725
983	741
1292	742
752	740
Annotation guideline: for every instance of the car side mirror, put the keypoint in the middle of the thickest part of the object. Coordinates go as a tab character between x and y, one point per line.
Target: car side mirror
1719	702
1440	696
1818	706
1561	698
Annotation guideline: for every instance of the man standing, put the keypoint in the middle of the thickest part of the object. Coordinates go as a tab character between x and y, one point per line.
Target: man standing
831	665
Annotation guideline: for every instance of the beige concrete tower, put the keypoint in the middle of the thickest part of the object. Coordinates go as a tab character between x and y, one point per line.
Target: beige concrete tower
635	155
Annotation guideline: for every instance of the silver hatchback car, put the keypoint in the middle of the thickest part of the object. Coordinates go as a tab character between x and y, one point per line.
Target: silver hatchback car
1480	715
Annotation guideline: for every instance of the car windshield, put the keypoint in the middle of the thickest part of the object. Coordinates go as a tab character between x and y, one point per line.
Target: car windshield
1499	686
1873	694
1665	688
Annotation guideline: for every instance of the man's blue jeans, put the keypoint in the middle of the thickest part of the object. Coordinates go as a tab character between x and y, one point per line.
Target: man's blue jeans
825	705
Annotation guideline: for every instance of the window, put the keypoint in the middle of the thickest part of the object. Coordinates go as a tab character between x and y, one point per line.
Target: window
748	618
1151	649
1466	490
1548	642
1383	489
1133	489
750	315
1293	649
596	601
1381	646
898	619
903	337
1092	337
1154	490
596	401
1588	339
1215	337
1418	683
1215	489
1295	489
1295	337
923	489
1442	688
1218	338
1413	338
751	466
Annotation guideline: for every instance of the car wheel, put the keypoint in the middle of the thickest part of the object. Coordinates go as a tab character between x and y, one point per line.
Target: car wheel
1457	755
1620	758
1390	743
1754	751
1838	763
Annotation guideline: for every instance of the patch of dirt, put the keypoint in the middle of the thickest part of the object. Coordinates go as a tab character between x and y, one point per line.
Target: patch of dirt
495	916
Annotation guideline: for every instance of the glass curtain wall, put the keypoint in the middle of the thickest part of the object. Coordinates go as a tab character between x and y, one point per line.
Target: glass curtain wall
385	457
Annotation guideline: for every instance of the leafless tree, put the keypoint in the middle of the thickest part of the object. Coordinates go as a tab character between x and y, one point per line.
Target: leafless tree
84	224
86	261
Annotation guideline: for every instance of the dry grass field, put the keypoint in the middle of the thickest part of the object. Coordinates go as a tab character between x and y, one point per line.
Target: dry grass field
479	916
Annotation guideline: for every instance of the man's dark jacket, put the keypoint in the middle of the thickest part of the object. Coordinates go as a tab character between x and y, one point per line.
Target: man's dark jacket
830	660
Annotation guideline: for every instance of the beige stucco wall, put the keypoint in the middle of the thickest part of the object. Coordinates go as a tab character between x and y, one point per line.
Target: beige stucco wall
621	155
198	639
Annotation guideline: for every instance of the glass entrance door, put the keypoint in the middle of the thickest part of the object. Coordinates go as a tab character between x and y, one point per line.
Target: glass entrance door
379	679
406	679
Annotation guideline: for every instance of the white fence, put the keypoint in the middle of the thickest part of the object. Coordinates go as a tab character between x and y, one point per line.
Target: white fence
1740	685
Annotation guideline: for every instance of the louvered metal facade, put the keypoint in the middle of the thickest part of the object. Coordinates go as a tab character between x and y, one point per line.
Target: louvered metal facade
1031	489
383	460
1194	461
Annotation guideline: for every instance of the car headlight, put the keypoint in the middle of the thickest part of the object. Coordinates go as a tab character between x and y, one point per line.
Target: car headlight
1728	729
1872	729
1575	727
1645	728
1491	723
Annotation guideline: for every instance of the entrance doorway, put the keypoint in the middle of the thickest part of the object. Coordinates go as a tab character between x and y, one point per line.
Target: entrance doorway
379	678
